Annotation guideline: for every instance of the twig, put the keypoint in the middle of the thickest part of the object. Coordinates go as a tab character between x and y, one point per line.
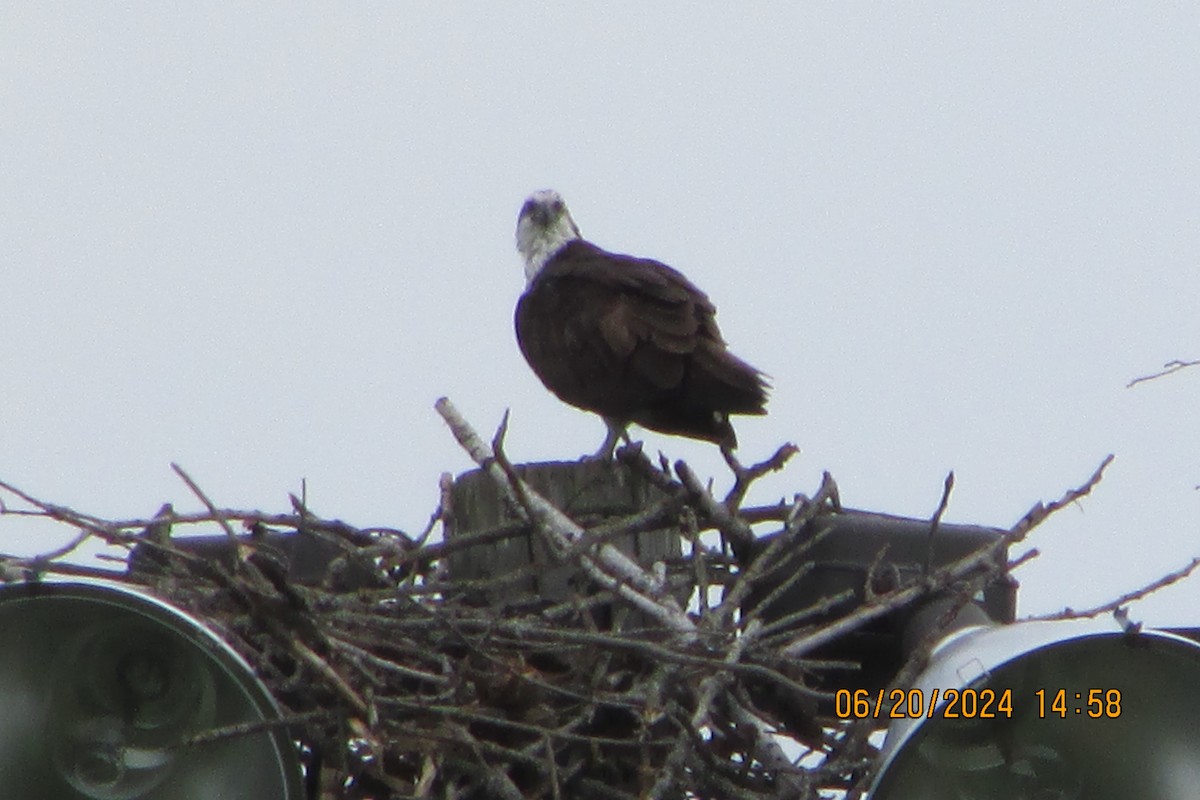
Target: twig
1168	368
212	509
1128	597
1040	511
737	532
745	476
947	487
323	668
246	728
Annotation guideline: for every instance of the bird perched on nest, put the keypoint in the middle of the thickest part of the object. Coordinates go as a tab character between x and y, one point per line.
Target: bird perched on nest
627	338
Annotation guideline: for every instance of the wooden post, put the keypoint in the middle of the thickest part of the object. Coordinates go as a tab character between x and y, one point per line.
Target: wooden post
589	492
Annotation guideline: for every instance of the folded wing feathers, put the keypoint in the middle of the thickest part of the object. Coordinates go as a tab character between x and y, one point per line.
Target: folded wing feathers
663	329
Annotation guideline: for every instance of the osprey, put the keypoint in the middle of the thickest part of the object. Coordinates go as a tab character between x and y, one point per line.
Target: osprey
630	339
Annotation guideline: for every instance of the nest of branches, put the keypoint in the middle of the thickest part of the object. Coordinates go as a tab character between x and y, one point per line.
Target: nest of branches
402	678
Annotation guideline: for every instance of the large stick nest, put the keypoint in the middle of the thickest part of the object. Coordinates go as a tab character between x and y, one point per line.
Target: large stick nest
643	681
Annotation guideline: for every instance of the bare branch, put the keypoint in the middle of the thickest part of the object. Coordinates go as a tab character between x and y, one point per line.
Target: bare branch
1168	368
212	509
626	577
1128	597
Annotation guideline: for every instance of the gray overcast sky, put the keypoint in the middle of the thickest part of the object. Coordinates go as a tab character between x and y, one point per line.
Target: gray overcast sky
261	240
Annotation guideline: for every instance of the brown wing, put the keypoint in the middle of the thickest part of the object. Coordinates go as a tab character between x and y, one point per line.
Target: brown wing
634	340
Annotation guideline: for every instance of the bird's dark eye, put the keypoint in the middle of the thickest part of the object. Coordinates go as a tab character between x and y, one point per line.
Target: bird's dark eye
528	208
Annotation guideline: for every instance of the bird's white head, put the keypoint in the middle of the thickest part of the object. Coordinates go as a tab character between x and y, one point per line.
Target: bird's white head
543	227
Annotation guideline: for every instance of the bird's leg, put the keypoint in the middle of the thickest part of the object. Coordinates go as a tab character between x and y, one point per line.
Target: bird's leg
616	432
